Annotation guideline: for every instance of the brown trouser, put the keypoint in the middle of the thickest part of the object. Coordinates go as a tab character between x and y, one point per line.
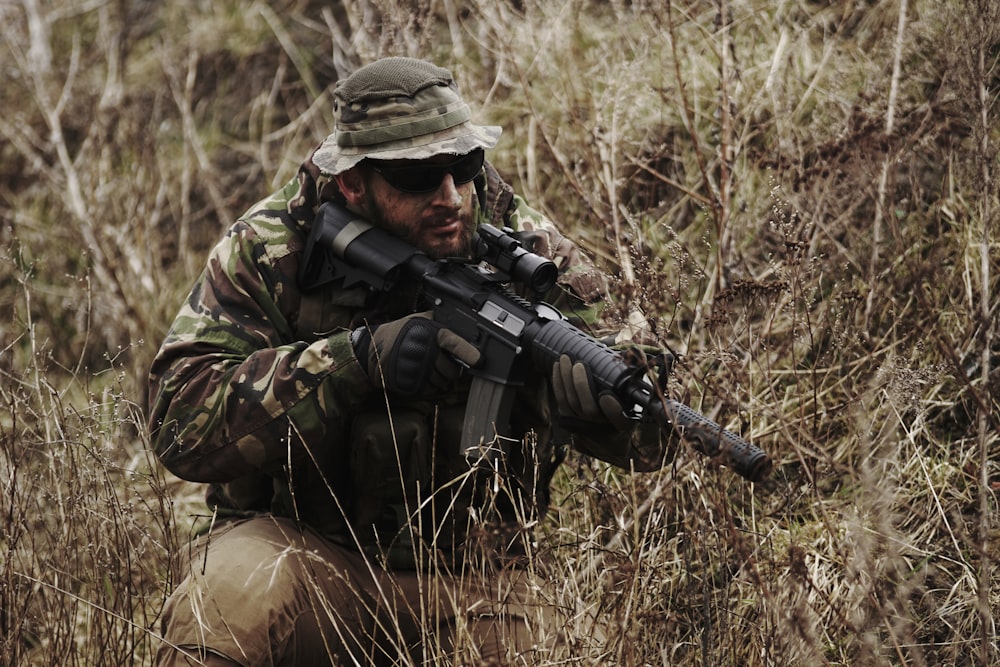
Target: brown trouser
265	592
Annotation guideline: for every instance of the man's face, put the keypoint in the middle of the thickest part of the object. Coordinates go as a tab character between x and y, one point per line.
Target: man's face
438	222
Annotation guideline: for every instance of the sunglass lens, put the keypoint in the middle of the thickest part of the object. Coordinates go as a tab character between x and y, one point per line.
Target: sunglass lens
427	178
465	170
411	179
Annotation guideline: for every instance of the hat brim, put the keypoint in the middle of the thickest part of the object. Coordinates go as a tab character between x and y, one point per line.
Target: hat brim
334	159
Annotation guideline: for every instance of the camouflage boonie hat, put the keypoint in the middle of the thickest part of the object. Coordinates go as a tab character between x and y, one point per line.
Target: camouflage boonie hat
399	109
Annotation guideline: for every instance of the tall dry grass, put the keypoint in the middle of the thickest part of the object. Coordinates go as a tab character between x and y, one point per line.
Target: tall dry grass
800	197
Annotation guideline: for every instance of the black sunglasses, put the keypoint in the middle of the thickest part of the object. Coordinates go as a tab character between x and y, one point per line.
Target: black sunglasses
423	177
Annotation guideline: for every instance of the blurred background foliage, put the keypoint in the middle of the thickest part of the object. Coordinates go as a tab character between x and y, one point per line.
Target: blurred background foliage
800	197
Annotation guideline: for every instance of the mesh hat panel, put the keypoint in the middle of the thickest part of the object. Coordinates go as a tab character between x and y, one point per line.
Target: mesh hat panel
391	77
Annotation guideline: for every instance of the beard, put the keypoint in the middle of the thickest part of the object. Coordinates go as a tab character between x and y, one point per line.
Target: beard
420	234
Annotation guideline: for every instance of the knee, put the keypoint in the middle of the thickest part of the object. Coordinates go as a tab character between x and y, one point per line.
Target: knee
245	597
251	572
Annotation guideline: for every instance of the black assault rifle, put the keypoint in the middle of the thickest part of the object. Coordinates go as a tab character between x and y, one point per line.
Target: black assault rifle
517	338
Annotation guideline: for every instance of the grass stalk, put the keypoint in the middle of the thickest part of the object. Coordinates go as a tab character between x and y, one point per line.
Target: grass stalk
890	118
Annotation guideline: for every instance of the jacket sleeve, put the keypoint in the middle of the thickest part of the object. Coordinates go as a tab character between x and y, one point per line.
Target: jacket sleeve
231	390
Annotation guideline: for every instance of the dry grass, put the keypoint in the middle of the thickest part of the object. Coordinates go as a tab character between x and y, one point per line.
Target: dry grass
801	197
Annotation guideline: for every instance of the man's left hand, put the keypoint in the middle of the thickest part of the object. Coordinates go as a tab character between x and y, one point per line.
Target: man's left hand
578	399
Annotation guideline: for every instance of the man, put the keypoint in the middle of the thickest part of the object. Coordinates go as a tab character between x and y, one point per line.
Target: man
326	419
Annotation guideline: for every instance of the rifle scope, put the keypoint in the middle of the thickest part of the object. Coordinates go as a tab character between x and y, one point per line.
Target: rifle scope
503	251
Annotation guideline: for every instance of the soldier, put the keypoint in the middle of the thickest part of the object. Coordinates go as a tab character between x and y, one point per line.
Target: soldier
325	420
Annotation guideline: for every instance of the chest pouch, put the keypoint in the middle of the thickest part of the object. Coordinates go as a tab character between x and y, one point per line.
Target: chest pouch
391	469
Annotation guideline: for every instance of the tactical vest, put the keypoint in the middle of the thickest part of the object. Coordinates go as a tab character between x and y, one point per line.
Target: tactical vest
412	501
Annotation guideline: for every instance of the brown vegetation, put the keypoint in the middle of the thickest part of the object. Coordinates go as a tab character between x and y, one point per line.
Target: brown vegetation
801	196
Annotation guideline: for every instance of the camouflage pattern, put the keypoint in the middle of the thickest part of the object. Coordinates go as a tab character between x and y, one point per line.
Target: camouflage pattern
257	392
399	109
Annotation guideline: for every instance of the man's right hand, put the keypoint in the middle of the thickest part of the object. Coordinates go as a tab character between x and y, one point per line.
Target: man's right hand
412	355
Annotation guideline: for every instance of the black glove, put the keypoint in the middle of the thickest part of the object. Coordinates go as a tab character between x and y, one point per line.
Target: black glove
577	397
412	355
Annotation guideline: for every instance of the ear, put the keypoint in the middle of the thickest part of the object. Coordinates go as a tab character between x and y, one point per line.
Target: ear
352	185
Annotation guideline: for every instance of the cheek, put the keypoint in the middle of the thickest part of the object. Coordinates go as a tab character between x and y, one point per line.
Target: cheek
392	210
468	192
403	214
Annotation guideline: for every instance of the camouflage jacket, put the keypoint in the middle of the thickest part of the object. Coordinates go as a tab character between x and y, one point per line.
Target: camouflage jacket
257	391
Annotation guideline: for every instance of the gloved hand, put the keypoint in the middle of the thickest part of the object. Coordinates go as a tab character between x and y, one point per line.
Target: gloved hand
577	397
412	355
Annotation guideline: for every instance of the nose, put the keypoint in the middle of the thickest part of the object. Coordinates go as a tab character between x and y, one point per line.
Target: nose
447	193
